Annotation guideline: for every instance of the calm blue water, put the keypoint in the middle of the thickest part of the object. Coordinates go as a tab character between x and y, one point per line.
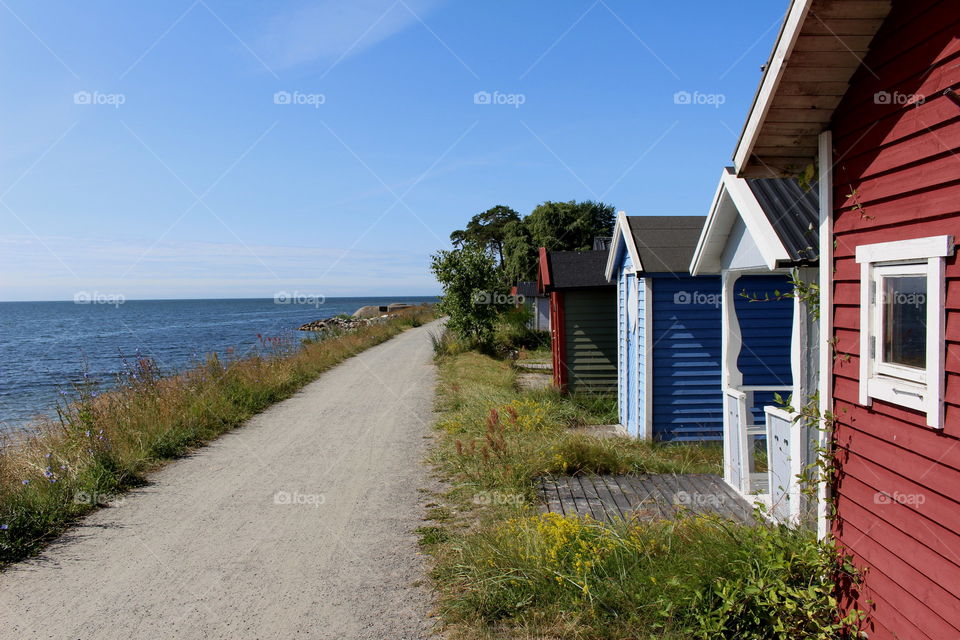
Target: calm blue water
46	345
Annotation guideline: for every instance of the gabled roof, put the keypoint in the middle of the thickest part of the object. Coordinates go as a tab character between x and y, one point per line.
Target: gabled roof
572	269
821	44
657	244
781	217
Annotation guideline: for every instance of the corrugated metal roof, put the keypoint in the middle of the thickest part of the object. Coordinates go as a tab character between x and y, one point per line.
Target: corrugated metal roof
666	243
574	269
793	212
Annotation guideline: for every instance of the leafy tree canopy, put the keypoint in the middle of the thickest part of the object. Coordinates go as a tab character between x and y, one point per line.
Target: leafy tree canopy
486	229
474	291
569	226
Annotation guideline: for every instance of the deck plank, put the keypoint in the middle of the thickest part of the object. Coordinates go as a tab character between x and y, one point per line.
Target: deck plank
647	497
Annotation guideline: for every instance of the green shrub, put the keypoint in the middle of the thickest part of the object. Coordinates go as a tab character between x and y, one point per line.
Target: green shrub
697	578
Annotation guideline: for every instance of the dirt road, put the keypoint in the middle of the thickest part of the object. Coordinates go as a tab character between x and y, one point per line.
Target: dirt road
297	525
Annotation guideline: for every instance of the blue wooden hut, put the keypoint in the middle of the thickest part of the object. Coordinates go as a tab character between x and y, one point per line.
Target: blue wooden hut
761	237
669	331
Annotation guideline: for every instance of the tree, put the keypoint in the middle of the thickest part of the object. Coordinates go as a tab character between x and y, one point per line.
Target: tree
486	230
569	226
519	253
473	291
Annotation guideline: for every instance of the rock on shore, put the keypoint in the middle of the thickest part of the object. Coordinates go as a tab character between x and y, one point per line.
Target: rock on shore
361	317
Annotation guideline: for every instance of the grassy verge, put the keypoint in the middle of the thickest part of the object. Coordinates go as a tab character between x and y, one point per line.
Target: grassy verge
505	571
106	442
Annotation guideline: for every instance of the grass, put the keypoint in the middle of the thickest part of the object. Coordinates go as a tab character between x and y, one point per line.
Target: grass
498	438
503	570
106	442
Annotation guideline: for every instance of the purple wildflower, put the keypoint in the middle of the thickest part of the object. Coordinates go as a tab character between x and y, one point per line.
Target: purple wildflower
25	482
4	527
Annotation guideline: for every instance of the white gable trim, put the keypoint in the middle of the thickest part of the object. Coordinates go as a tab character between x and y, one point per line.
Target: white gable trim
621	230
716	230
771	80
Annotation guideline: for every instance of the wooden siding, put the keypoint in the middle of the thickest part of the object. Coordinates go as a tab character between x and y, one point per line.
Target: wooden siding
590	339
687	356
766	327
898	177
623	363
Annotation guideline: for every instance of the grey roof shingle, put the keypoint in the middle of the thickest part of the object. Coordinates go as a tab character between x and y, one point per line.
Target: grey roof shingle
576	269
793	212
665	243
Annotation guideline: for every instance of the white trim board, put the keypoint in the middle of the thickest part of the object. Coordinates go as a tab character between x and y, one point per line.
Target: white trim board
622	230
734	197
771	81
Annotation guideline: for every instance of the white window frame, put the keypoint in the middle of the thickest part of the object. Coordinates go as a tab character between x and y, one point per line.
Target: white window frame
918	389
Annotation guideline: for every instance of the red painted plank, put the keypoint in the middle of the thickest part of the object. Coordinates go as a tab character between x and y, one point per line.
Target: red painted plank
906	600
847	316
905	210
925	146
915	563
952	329
857	501
897	127
848	243
876	105
935	173
920	501
916	597
886	437
907	72
846	268
847	341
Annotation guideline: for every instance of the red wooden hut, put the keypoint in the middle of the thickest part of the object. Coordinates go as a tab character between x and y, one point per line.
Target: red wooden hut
583	320
866	87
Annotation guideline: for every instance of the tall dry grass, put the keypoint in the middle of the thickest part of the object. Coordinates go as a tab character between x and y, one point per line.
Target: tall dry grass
105	442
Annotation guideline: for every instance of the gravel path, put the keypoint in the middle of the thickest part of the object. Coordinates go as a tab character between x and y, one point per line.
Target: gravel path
299	524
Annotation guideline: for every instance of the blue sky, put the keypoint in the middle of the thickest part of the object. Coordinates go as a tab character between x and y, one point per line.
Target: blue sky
208	148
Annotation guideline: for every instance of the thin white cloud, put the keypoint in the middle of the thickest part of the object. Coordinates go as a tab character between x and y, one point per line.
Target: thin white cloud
202	269
331	30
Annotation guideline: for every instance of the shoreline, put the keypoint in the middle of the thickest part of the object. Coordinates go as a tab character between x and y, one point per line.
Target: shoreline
110	440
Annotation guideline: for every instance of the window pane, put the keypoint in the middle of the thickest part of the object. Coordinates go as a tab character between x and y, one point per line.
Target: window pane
905	320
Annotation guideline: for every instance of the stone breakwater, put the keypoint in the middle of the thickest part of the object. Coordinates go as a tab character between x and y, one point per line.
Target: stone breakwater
361	317
341	324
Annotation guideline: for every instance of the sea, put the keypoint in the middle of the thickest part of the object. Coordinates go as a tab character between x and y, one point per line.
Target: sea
48	347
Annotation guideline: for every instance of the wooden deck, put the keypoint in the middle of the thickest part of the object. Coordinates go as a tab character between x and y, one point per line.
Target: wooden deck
647	497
